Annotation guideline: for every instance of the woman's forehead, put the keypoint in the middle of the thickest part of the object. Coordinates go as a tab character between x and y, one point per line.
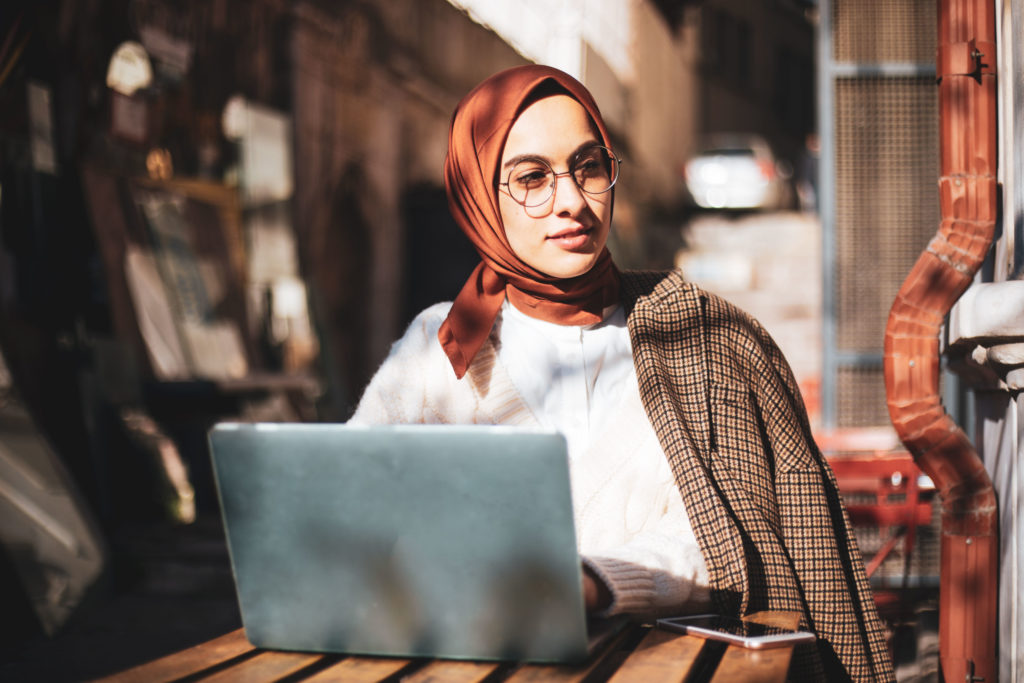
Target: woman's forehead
550	126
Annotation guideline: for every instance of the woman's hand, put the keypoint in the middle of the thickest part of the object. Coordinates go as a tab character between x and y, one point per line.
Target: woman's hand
596	595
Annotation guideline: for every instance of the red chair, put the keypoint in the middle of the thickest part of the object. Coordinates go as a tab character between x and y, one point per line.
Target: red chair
888	492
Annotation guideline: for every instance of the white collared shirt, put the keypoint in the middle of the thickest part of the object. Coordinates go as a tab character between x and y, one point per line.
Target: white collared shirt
571	377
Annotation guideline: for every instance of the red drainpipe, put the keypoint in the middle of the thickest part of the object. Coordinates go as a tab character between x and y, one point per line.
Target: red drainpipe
967	190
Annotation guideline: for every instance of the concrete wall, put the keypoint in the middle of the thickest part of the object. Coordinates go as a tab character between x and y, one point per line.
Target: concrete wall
374	85
665	95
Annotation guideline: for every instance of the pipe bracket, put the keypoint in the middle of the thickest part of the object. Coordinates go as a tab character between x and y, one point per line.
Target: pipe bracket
972	58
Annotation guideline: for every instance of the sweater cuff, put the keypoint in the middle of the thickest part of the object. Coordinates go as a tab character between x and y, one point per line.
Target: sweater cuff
632	587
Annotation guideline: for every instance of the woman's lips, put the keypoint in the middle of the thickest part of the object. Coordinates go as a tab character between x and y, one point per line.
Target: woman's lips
572	238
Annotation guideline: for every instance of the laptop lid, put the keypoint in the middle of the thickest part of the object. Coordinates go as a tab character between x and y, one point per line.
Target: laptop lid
411	540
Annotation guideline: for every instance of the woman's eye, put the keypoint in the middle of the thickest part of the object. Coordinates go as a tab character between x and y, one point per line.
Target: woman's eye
531	179
588	168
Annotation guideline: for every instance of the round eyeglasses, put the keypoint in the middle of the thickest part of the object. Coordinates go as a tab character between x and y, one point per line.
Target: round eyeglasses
532	182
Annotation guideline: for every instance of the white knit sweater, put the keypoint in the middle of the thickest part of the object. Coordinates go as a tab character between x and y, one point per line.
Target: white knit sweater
631	525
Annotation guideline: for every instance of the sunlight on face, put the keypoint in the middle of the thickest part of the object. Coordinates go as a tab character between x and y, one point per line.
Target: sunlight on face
563	236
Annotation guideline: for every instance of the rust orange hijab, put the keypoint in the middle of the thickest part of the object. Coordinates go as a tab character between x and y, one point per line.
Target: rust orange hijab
476	140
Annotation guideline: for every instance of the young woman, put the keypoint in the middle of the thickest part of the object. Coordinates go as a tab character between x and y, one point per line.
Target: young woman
696	483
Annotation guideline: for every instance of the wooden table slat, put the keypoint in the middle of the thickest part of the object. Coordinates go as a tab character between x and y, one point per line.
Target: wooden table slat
360	670
636	654
201	657
753	666
452	670
560	673
661	656
742	665
266	665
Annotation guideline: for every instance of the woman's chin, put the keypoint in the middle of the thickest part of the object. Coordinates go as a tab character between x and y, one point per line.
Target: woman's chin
569	265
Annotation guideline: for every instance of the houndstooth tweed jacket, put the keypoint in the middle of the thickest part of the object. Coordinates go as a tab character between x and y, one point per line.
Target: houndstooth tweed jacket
762	499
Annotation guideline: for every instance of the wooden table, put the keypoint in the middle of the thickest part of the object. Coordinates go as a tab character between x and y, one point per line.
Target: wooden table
639	653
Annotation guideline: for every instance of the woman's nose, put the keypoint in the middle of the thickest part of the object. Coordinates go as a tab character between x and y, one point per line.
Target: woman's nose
568	195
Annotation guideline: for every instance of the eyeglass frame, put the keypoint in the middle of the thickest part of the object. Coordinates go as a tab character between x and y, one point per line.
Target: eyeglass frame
571	172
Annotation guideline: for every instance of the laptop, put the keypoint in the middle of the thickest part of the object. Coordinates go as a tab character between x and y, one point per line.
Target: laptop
412	540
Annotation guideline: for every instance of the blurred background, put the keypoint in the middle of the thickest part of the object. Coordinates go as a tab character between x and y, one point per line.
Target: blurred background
228	210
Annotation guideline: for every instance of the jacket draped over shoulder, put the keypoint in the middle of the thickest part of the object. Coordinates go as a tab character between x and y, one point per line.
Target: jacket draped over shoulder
764	503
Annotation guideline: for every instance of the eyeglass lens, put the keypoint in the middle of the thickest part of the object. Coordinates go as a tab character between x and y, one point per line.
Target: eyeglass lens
532	182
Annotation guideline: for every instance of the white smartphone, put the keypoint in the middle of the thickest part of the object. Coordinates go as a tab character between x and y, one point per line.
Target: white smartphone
736	631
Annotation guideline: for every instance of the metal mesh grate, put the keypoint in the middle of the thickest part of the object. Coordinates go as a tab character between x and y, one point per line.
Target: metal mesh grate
860	394
924	555
869	31
887	205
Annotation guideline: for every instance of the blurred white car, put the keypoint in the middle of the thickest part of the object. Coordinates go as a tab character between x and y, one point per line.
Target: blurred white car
738	171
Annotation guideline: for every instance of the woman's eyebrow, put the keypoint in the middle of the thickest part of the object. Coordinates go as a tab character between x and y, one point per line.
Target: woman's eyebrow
525	157
540	157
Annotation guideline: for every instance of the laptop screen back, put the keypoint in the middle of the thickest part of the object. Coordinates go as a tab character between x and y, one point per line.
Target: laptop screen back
408	540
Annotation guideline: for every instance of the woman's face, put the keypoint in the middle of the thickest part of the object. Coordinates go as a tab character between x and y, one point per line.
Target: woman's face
563	236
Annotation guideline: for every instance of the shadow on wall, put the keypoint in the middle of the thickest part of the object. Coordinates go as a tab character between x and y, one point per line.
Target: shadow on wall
340	270
438	257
